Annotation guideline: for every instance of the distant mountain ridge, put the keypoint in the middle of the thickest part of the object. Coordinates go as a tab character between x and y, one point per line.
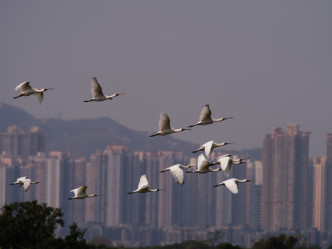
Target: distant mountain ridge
84	136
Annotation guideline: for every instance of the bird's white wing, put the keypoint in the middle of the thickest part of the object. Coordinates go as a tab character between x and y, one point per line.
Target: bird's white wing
225	164
143	182
164	122
20	181
25	87
202	163
177	173
75	191
231	185
200	160
205	113
26	184
96	90
81	190
208	148
39	97
21	178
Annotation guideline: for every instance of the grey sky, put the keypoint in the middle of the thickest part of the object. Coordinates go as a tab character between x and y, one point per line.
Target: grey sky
267	63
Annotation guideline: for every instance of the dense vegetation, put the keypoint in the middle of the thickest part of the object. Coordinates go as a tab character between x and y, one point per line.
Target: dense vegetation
31	225
27	225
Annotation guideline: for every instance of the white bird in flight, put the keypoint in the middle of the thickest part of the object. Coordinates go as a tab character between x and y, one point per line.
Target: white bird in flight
209	146
177	172
25	182
203	165
27	90
165	126
231	184
97	92
205	117
226	162
80	193
143	186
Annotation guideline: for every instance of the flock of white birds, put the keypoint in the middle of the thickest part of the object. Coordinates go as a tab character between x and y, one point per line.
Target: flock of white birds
203	164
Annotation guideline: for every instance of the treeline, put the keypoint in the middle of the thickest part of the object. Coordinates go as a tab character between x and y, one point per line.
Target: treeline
26	225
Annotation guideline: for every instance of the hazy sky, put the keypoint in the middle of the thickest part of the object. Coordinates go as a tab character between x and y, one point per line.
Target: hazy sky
266	63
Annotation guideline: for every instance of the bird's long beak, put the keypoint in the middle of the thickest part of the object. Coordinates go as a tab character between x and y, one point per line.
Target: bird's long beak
46	89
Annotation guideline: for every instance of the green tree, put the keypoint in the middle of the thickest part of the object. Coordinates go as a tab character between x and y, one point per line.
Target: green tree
75	239
28	225
226	245
192	244
284	242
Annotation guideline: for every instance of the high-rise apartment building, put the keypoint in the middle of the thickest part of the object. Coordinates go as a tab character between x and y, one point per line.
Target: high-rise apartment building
37	141
328	194
18	143
239	200
285	163
15	142
254	194
318	193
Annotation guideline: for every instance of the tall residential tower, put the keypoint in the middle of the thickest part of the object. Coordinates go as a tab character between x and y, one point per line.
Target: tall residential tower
285	163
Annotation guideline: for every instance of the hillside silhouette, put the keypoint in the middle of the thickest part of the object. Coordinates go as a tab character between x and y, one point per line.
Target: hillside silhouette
84	136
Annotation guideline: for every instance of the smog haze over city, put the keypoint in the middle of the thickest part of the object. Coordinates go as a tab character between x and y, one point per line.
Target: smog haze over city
266	63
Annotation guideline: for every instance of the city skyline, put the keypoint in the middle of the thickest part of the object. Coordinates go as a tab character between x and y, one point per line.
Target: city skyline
265	63
287	192
115	171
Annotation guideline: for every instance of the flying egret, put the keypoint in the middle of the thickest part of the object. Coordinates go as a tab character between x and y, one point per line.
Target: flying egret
231	184
143	186
203	165
97	92
205	117
165	126
80	193
25	182
209	146
226	162
177	172
27	90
